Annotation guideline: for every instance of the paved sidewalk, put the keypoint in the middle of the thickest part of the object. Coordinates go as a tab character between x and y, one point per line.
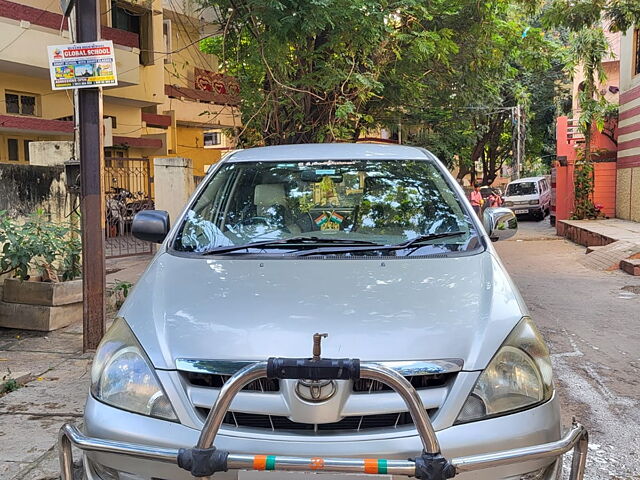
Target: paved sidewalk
54	378
611	229
611	240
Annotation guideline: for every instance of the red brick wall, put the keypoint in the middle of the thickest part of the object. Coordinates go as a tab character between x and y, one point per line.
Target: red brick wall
605	187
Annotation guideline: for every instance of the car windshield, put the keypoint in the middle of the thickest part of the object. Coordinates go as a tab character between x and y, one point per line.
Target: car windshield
345	207
522	188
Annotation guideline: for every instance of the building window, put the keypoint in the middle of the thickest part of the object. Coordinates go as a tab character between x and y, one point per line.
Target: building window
115	152
124	19
138	20
12	147
114	120
636	46
20	103
168	42
211	139
25	144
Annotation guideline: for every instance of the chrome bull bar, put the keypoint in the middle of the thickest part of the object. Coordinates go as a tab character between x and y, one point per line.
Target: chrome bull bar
205	460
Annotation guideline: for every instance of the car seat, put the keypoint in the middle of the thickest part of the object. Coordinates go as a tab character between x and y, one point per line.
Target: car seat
270	200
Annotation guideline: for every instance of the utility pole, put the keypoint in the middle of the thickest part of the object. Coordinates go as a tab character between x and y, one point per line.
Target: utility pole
517	140
91	188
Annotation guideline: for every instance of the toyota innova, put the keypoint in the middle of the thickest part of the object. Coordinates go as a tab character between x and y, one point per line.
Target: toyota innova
430	367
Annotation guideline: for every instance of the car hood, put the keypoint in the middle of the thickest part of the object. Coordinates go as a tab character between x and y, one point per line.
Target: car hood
394	309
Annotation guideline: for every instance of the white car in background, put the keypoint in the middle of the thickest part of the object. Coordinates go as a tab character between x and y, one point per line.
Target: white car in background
529	196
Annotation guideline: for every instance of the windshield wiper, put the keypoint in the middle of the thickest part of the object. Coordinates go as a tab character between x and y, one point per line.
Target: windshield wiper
397	246
308	242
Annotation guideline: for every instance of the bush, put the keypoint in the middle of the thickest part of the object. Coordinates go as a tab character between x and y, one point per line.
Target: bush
38	245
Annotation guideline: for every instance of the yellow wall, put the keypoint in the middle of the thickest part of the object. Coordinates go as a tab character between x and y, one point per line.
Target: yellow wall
149	89
22	148
180	65
144	84
50	105
190	146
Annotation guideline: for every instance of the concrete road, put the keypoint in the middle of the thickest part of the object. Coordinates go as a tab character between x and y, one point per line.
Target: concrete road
591	320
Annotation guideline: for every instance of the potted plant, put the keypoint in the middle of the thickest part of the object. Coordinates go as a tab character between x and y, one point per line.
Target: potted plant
41	263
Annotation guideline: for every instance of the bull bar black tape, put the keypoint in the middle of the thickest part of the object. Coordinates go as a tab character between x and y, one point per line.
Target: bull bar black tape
433	466
309	369
202	462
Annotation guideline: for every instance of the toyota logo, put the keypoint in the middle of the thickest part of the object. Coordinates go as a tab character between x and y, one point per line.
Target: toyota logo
315	390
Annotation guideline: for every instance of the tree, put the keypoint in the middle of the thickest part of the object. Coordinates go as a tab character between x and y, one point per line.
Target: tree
465	113
309	68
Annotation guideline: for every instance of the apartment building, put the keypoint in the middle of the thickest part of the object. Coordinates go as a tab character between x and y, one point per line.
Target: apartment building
170	101
628	173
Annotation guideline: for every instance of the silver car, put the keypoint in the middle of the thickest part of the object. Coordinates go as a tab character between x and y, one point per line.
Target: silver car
374	245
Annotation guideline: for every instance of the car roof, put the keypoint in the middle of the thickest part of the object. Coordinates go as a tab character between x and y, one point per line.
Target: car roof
527	179
329	151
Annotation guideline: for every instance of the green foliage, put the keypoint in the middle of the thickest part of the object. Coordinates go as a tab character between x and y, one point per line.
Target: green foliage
38	245
309	69
8	384
504	59
578	15
583	187
120	289
121	286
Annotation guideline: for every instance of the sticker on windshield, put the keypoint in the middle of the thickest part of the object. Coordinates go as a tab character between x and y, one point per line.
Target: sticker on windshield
325	171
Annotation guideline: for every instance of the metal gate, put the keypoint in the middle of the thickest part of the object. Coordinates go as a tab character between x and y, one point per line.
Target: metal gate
127	185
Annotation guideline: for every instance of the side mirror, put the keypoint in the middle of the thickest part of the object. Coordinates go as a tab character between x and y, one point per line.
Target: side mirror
500	223
151	225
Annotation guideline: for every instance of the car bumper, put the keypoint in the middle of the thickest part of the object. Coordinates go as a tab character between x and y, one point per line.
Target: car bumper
466	443
526	209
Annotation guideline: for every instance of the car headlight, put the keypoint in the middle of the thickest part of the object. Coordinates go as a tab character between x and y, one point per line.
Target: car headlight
534	202
508	204
121	375
519	376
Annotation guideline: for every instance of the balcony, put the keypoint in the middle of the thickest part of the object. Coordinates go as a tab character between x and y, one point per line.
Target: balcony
201	108
569	139
30	30
28	52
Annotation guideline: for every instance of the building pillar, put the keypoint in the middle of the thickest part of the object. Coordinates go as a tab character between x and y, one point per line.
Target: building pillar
173	184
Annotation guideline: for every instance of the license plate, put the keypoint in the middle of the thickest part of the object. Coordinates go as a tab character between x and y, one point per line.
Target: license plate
256	475
517	212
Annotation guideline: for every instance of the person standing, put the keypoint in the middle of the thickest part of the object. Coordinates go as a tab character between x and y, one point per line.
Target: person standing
495	200
476	199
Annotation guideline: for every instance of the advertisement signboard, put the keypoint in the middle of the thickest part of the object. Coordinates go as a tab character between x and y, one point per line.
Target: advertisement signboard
82	65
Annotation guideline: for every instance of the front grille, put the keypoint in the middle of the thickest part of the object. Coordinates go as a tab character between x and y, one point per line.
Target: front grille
217	381
279	423
349	424
363	385
419	382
